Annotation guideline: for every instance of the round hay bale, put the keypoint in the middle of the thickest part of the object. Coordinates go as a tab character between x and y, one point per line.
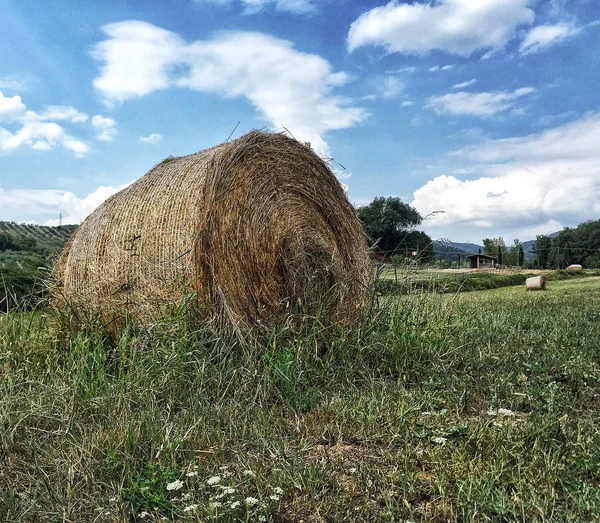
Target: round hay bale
245	231
574	267
535	283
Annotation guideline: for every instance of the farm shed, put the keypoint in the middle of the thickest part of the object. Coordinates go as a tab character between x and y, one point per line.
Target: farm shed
482	261
243	231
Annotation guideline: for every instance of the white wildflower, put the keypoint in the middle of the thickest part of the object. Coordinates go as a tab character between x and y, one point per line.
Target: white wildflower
215	480
501	413
249	473
143	515
192	474
190	508
440	440
278	490
250	501
274	497
216	504
176	485
186	496
262	518
235	504
228	490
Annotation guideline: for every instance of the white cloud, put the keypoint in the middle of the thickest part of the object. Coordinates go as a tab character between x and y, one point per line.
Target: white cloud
11	83
41	136
153	138
38	131
387	86
406	103
40	203
529	183
11	108
453	26
462	85
61	112
435	68
255	6
105	127
544	36
286	86
477	104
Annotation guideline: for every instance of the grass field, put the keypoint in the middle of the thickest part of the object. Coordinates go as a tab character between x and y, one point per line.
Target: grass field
480	406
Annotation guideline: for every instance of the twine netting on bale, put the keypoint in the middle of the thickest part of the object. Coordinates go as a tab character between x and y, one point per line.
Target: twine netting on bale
249	228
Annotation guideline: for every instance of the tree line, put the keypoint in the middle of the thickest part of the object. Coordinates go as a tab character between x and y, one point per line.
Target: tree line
577	245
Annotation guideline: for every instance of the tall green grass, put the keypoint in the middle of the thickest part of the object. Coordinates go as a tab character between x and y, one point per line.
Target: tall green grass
398	419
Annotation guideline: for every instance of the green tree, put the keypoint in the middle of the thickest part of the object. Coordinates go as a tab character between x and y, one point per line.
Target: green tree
495	247
541	249
521	256
388	222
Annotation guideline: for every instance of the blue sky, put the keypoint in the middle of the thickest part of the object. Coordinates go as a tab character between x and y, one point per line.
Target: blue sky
487	110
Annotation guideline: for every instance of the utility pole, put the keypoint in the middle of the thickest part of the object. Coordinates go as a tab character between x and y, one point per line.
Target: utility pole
60	219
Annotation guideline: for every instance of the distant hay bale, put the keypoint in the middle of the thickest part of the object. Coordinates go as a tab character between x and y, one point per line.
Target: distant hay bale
574	267
535	283
244	231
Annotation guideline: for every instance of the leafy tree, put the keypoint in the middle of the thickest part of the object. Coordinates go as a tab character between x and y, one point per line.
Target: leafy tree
495	247
541	249
389	223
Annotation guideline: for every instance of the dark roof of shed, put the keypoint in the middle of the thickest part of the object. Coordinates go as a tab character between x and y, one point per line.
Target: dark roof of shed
483	256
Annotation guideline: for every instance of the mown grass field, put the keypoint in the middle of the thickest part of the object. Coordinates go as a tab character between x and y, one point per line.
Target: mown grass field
480	406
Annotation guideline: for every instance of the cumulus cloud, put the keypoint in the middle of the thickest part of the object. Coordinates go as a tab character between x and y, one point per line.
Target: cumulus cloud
40	203
286	86
255	6
477	104
530	183
37	131
454	26
462	85
544	36
105	127
153	138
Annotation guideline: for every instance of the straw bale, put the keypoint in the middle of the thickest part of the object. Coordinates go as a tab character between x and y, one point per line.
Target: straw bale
574	267
244	231
535	283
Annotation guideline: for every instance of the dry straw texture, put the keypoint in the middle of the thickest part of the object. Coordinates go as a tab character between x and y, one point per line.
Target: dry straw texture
535	283
248	229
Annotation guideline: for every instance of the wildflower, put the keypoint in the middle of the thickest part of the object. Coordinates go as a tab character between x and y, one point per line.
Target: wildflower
440	440
216	504
249	473
190	508
192	474
250	501
143	515
215	480
278	490
235	504
176	485
186	496
274	497
228	490
262	518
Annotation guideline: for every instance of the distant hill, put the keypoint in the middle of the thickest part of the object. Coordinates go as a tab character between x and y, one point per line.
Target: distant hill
37	238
